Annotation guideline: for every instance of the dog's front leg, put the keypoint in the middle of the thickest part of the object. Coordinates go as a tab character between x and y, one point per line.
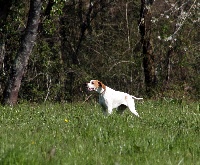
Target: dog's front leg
109	110
104	110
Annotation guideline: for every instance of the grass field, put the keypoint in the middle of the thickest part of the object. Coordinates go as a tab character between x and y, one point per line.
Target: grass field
168	133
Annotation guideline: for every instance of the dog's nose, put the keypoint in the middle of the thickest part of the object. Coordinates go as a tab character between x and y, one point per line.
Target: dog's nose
86	84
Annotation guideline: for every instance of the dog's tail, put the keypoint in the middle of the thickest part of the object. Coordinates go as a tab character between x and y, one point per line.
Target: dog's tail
136	98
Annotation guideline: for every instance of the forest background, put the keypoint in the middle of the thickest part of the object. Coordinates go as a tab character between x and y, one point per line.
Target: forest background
50	48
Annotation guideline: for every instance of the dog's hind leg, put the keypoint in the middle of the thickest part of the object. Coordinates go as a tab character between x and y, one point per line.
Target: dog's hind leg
131	106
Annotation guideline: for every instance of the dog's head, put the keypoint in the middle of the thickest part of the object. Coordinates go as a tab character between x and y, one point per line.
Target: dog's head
96	85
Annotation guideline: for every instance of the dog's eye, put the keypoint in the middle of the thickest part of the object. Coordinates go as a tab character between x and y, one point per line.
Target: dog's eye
92	82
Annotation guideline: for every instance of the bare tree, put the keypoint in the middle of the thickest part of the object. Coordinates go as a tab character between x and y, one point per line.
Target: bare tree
4	11
21	60
5	6
75	25
147	45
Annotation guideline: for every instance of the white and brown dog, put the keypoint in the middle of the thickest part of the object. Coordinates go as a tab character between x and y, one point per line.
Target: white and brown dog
109	98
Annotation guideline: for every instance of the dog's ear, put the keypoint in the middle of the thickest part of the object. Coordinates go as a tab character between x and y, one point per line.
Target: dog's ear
101	85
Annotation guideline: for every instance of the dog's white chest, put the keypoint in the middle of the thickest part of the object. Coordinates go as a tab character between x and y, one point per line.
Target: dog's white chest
103	101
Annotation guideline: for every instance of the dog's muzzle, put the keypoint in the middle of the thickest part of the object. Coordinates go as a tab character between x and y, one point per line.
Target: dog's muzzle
89	89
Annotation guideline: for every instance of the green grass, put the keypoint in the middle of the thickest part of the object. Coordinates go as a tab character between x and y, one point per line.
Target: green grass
168	133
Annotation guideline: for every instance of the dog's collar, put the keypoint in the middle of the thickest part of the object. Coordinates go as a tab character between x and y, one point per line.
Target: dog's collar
102	92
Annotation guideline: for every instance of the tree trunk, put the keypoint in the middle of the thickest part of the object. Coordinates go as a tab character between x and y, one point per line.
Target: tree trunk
147	46
2	55
5	6
21	60
168	63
